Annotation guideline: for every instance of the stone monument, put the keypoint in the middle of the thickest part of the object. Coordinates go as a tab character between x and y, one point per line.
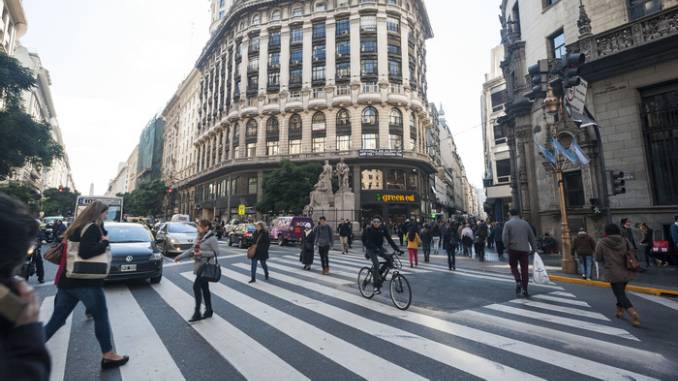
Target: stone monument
344	199
324	202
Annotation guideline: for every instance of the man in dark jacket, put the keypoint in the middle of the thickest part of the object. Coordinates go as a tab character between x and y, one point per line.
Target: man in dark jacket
23	355
345	230
498	243
323	239
373	241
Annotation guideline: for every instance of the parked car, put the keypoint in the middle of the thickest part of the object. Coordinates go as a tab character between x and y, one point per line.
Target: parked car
135	254
175	237
242	235
288	229
230	225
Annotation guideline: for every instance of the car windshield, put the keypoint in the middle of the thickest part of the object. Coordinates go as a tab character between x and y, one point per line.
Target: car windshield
50	220
251	228
128	233
181	228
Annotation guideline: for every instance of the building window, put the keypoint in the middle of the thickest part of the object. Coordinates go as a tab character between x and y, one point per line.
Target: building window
642	8
393	25
251	150
343	48
499	134
344	143
344	70
274	79
342	3
368	45
395	179
318	74
254	44
371	179
574	189
319	144
343	27
369	141
368	67
394	69
396	119
503	171
498	99
297	35
253	64
395	141
659	113
274	39
295	146
295	77
368	23
275	15
274	60
318	30
320	6
318	122
256	19
392	2
251	131
272	148
394	49
370	116
557	45
297	11
548	3
272	130
252	185
253	83
343	121
296	57
319	53
295	127
413	131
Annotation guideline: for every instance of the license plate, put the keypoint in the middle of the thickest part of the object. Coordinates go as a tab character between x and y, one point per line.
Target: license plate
126	268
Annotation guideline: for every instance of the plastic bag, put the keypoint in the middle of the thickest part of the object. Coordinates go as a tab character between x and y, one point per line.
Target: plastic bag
539	275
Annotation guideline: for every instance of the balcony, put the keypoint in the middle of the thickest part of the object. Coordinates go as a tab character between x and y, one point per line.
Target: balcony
250	108
318	99
272	107
415	103
342	96
294	102
369	94
397	96
234	114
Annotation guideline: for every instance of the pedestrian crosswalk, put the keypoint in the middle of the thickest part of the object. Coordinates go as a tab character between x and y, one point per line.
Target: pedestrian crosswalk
302	325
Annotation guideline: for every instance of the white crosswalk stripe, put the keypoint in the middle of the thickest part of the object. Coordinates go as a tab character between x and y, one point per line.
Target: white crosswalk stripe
556	330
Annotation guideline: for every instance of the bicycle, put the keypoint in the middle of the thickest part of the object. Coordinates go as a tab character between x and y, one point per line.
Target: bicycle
399	288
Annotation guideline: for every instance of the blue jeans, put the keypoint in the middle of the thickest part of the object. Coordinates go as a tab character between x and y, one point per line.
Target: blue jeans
254	267
586	265
94	300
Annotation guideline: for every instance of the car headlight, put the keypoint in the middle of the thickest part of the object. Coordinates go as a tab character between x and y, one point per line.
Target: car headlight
174	241
156	257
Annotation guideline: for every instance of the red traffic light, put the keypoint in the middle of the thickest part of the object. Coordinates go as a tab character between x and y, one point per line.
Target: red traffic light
170	190
61	188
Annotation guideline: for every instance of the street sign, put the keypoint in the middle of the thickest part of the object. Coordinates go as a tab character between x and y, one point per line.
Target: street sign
241	210
576	97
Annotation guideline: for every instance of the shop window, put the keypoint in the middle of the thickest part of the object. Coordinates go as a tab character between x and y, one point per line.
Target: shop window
395	179
412	181
372	179
252	185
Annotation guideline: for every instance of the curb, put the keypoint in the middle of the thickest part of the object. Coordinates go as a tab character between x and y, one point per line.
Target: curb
630	287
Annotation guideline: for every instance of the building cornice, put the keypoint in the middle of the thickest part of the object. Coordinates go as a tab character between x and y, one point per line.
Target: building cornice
16	10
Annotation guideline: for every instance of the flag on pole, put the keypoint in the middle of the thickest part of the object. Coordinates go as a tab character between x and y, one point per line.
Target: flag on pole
548	155
583	159
571	156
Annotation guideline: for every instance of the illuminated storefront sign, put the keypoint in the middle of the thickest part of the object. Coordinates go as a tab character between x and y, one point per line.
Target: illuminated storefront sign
396	197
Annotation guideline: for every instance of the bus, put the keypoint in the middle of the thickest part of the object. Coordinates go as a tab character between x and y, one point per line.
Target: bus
114	206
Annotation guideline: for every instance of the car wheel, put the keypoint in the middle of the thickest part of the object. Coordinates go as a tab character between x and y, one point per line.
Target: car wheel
157	279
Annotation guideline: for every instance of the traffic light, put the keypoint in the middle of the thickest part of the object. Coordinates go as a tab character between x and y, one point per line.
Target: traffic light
538	77
618	183
571	71
170	190
61	188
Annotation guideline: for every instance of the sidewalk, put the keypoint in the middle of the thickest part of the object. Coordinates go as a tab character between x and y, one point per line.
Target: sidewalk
656	280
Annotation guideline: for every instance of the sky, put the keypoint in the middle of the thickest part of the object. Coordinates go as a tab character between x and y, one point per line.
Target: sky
115	64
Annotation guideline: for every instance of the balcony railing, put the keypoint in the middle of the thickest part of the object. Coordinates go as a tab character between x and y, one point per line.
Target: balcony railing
397	89
318	94
628	36
343	90
370	88
295	96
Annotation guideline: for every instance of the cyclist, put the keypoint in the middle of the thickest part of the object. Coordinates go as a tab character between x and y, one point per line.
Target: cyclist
373	241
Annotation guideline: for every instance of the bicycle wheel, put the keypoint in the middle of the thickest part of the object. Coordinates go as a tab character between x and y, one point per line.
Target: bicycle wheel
401	293
365	283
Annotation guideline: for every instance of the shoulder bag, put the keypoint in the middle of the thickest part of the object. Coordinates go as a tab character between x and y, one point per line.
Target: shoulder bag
632	263
91	268
211	272
252	250
55	252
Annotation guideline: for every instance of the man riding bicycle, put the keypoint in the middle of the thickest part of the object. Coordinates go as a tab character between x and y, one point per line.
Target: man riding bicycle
373	241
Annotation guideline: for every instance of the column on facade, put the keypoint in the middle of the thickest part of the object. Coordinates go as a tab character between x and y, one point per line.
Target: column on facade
263	61
356	128
382	48
231	74
307	52
230	128
306	138
355	47
199	152
407	146
330	51
283	142
331	130
242	145
284	58
405	51
384	116
261	136
244	45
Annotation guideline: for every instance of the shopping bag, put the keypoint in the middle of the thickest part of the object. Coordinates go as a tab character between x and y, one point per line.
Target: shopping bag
540	276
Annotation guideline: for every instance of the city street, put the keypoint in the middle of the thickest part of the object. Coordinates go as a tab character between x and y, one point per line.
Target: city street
303	325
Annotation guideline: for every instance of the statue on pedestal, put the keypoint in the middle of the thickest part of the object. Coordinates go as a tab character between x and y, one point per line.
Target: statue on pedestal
343	172
322	195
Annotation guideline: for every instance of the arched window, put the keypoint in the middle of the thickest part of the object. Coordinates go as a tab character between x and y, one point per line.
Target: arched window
251	131
256	19
343	130
275	15
236	141
272	128
413	131
370	116
396	119
319	122
297	11
343	120
320	6
295	134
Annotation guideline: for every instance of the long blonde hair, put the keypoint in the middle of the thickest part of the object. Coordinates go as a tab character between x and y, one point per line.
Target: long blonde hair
91	214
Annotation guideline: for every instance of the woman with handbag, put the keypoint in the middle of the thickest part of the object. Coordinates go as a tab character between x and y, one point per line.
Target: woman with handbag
307	246
80	278
206	247
259	250
620	265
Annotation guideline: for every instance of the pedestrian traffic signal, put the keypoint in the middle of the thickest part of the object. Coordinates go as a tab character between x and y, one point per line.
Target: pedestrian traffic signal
571	70
618	183
538	78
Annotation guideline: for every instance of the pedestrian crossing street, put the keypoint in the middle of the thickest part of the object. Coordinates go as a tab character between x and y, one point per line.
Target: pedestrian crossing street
302	325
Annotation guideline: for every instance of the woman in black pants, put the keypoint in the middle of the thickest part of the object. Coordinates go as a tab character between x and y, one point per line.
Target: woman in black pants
262	241
206	248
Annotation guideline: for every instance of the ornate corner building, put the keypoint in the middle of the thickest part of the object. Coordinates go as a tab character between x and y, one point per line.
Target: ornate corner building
631	49
310	81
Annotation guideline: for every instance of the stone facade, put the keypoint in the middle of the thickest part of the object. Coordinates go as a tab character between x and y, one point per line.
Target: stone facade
12	25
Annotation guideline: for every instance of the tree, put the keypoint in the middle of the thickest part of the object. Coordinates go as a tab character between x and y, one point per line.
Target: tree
146	200
23	192
24	140
286	189
58	201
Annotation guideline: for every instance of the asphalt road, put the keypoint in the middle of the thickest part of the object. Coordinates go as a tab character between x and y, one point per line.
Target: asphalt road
463	325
